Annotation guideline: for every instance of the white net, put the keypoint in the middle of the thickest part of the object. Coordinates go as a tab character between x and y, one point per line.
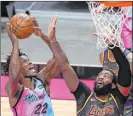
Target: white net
108	22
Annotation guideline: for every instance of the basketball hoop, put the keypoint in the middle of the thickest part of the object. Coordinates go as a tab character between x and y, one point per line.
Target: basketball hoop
118	3
109	21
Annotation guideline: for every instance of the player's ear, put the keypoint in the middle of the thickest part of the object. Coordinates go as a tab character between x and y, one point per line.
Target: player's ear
113	86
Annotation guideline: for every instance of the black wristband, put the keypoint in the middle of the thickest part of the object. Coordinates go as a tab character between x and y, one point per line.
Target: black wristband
111	46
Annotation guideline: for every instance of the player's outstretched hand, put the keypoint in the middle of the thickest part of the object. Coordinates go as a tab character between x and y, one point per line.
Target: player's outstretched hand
108	40
36	29
52	29
11	35
38	32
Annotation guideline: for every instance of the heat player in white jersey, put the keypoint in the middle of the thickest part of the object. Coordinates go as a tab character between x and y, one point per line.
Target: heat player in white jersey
28	91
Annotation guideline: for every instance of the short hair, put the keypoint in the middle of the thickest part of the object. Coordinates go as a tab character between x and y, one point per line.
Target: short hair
5	66
114	76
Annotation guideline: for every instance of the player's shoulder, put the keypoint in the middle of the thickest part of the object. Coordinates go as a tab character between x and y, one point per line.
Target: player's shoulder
37	79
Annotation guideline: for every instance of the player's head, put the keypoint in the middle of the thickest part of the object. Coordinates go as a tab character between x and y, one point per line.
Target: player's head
26	67
104	82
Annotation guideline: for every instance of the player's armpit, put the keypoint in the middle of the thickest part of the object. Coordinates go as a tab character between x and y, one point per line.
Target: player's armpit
51	74
13	98
83	106
7	88
82	95
47	73
47	88
12	88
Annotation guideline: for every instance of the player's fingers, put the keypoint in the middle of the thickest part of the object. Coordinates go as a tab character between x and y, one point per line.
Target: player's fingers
7	25
55	20
11	28
36	29
34	21
32	17
95	34
115	41
107	41
7	28
51	23
52	20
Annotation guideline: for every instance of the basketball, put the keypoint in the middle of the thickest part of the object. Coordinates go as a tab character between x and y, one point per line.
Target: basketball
22	25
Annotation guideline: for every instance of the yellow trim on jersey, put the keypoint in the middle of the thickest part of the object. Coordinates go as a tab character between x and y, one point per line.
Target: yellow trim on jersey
101	99
102	59
115	102
110	59
84	104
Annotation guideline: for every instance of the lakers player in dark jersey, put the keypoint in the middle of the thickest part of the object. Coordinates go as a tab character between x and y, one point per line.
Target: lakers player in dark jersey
104	101
108	62
28	91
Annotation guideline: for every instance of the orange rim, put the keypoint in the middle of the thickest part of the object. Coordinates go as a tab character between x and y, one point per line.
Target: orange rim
118	4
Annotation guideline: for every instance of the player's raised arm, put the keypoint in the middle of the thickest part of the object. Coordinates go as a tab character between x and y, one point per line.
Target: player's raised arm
48	72
14	66
51	68
71	77
68	73
128	55
124	75
38	32
79	89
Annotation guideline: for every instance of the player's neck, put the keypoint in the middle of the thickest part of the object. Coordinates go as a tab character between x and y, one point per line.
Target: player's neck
28	83
103	97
